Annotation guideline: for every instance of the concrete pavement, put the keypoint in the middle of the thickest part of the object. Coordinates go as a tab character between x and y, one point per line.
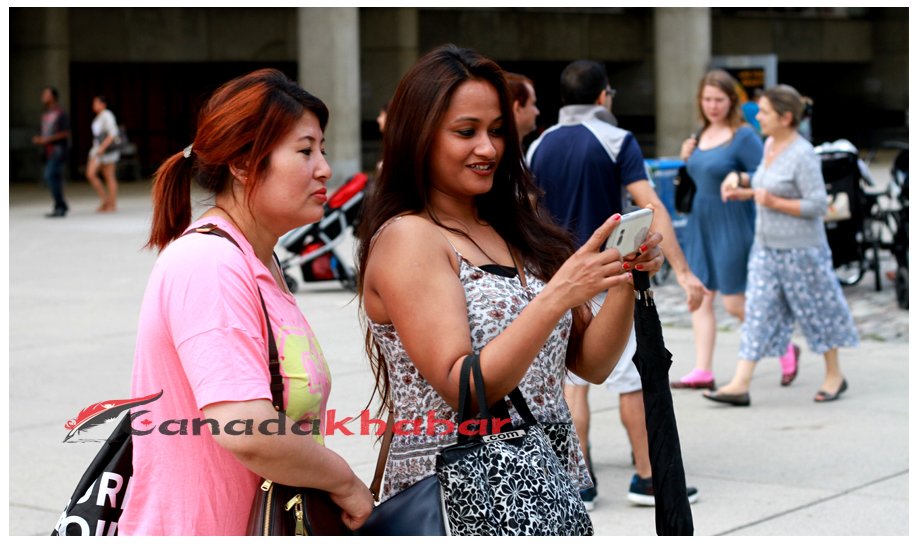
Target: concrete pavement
784	466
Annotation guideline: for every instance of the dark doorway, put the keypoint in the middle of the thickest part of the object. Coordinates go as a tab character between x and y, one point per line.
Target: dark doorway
156	102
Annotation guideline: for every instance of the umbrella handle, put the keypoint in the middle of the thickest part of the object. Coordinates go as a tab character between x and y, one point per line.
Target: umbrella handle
641	280
642	287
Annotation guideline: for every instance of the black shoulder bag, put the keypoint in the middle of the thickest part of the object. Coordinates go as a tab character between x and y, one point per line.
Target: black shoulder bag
509	482
685	188
277	509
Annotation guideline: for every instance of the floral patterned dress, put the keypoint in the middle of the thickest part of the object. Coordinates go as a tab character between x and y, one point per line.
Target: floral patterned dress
493	302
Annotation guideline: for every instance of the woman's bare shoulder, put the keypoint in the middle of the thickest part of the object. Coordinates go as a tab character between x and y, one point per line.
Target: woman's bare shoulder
406	229
411	238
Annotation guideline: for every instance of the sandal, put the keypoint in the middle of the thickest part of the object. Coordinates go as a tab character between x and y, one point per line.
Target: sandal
790	364
826	397
740	399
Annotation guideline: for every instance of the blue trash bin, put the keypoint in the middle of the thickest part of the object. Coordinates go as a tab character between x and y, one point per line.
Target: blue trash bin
663	171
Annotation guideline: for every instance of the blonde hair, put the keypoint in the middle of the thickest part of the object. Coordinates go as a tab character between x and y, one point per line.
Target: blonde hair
726	83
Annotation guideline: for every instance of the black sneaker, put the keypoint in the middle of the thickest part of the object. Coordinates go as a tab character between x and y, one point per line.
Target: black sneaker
641	492
588	496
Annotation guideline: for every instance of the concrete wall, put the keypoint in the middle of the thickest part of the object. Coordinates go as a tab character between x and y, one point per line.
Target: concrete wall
44	41
39	57
794	39
879	46
871	54
329	67
388	47
886	79
682	39
856	69
183	34
609	34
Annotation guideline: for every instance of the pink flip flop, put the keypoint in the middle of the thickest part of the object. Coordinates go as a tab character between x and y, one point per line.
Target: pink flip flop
790	364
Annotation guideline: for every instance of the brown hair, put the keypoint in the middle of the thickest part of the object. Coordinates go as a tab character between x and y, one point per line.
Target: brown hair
517	90
784	98
240	125
403	185
726	83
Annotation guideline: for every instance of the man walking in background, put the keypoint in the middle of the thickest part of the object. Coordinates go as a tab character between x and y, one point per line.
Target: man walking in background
582	163
54	139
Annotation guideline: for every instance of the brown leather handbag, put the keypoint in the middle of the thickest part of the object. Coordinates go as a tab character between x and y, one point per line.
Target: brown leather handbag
281	510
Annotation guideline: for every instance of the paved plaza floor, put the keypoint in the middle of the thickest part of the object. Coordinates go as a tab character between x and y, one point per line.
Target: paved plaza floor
784	466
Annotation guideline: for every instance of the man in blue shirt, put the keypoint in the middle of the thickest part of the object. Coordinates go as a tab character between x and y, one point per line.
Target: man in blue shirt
54	142
582	163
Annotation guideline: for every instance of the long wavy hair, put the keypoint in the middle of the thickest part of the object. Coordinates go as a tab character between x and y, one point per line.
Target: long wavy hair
403	184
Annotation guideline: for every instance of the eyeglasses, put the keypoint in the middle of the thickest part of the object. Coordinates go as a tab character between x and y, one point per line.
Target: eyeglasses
610	92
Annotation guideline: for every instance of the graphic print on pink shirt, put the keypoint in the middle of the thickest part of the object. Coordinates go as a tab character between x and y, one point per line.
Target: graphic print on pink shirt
307	380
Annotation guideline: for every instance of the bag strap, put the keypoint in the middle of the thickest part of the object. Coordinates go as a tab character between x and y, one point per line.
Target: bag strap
472	363
376	485
273	357
520	405
467	365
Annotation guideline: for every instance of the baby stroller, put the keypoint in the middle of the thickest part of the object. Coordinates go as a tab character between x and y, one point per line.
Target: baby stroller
893	217
314	247
843	172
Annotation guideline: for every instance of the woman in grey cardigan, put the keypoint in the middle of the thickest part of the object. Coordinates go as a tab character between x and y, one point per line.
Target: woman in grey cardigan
791	278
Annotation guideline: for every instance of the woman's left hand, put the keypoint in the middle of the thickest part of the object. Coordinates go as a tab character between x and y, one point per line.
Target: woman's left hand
764	198
650	258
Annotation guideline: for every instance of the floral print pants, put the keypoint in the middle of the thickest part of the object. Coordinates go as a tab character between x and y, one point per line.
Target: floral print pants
787	286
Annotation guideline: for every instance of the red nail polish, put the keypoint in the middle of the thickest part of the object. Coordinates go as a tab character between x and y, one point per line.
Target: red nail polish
625	266
616	216
639	267
643	248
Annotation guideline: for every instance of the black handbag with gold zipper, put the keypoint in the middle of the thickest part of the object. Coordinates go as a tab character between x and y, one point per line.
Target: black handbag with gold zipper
281	510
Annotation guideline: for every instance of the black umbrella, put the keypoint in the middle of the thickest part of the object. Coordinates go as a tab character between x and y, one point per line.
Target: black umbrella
673	512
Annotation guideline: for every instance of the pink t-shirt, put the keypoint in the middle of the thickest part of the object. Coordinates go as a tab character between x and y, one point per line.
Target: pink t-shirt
202	339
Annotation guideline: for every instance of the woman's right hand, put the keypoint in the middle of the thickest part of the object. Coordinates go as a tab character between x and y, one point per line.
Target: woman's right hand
590	270
356	503
730	189
729	186
688	147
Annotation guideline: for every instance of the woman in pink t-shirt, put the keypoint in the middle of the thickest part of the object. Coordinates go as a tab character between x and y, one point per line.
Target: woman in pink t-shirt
202	449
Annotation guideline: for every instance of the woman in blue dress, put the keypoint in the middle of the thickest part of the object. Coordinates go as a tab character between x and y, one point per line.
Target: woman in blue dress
719	234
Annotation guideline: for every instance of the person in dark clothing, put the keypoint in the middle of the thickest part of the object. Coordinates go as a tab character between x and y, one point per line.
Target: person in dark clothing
54	139
582	163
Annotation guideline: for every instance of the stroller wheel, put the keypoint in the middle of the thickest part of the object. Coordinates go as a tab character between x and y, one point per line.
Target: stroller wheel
292	285
851	273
